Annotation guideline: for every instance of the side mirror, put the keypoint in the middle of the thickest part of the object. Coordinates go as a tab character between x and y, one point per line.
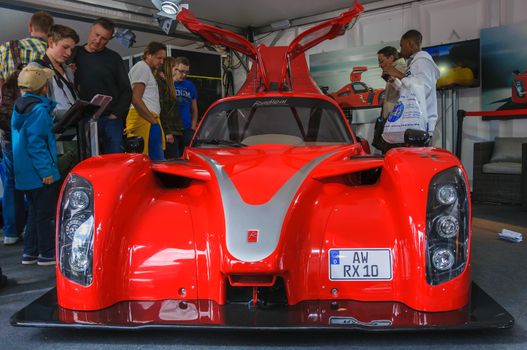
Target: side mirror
134	144
416	138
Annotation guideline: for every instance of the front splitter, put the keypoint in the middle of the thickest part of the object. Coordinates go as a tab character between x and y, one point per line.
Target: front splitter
483	312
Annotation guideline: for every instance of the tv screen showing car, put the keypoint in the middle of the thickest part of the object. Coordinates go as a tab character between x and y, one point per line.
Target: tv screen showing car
459	64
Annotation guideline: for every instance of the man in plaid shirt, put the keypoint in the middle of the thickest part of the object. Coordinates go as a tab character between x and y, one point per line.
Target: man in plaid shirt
29	49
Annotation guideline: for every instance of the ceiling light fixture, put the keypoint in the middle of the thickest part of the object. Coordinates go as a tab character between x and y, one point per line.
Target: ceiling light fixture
169	8
125	37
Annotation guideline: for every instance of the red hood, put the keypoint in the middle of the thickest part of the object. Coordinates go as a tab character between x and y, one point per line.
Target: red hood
258	172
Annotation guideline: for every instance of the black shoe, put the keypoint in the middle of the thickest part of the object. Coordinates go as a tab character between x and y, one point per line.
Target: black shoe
3	281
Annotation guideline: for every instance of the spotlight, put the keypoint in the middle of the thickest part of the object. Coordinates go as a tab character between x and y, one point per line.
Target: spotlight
169	8
125	37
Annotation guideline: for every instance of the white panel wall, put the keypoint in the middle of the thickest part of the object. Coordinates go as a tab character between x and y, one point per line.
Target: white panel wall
515	11
383	26
453	20
440	21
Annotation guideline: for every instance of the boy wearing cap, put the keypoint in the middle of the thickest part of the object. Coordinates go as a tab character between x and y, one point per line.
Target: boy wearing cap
35	163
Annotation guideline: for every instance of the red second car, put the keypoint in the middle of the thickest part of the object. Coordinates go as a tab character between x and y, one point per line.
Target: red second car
519	87
357	94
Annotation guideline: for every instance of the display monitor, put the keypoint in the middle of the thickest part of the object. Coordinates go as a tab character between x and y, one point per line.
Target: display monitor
459	64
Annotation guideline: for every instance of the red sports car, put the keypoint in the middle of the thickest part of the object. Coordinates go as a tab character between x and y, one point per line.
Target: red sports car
357	94
276	217
519	87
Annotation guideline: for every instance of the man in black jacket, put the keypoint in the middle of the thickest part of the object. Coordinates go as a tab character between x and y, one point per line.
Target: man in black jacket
101	71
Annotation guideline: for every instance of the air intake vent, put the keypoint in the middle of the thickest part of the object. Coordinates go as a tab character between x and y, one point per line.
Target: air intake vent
251	280
267	295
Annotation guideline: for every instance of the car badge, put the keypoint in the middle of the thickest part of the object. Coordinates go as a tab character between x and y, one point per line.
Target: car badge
252	236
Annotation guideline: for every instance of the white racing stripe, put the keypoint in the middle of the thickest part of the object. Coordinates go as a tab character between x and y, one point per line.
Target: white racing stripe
267	218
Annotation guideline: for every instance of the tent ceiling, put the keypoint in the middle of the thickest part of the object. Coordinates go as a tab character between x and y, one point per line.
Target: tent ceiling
236	15
256	13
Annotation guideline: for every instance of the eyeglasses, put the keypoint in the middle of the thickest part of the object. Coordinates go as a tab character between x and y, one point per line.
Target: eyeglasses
182	71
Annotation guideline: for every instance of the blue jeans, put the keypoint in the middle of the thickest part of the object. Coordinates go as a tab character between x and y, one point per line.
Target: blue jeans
184	140
40	232
110	134
172	149
155	143
13	210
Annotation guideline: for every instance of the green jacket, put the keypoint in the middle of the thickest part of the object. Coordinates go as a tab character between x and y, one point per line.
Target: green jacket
170	117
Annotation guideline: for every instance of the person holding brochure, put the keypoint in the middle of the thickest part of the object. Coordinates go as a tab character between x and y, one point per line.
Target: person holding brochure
61	88
100	70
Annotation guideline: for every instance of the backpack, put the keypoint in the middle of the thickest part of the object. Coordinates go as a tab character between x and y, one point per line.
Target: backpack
9	90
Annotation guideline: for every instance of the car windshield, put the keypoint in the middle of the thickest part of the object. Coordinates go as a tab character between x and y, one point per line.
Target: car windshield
279	120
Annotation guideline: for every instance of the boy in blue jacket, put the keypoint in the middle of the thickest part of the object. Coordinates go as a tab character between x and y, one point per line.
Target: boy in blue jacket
35	163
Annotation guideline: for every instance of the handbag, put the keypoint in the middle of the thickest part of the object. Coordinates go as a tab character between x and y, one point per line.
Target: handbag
408	113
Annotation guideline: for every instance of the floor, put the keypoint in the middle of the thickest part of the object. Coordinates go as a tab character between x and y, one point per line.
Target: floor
498	268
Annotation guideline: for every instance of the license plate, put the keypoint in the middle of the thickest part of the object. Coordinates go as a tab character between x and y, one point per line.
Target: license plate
360	264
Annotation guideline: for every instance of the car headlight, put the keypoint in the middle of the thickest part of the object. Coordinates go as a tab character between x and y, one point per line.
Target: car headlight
79	199
442	259
81	245
446	226
446	194
75	235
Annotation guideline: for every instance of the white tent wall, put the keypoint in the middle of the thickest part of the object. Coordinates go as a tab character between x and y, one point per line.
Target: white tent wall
440	21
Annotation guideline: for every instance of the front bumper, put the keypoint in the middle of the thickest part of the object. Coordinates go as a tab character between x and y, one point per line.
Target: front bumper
482	312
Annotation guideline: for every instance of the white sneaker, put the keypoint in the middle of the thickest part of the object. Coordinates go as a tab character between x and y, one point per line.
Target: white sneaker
10	240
